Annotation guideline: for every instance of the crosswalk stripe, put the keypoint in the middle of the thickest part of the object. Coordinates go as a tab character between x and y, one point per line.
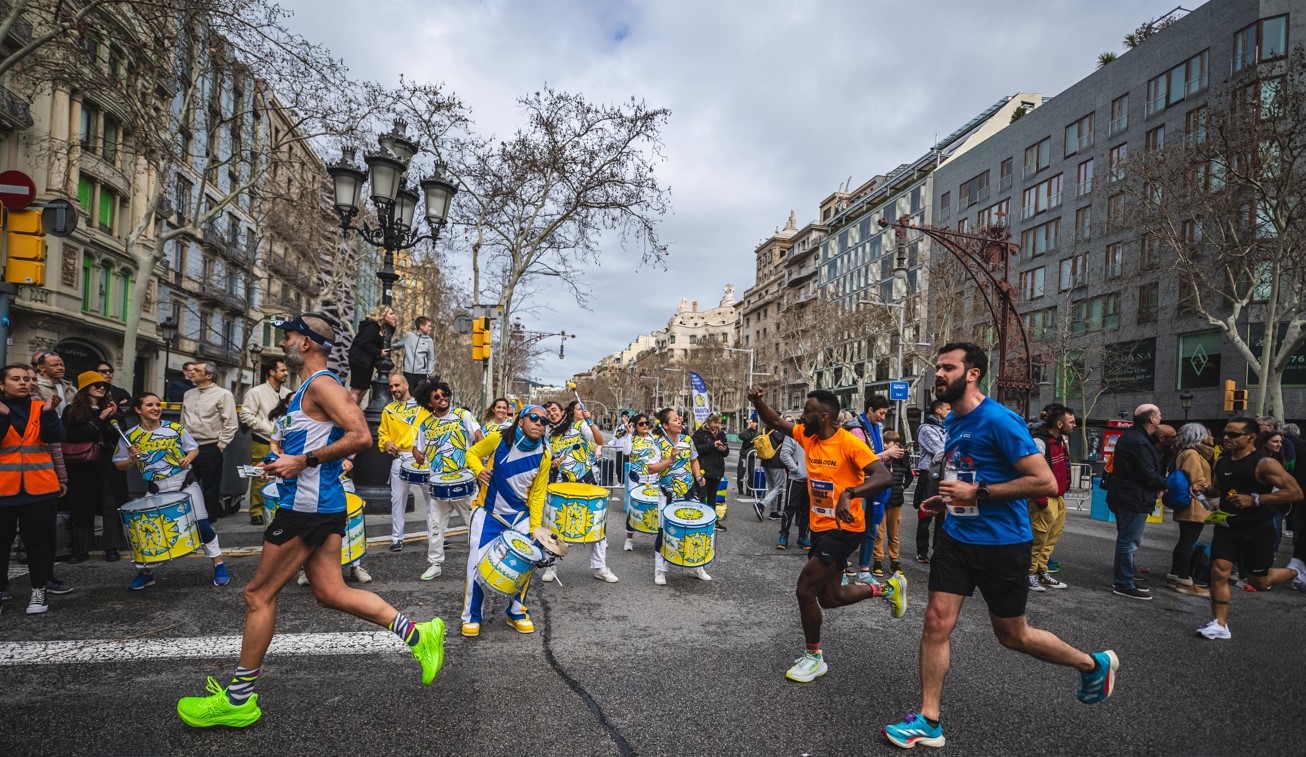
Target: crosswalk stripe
16	653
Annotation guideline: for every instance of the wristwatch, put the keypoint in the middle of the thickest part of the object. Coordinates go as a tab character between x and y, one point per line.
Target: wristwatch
982	491
310	460
1256	499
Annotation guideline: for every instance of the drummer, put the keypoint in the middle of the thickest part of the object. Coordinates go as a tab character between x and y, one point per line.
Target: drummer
513	488
164	451
645	464
443	437
572	441
395	436
680	481
497	417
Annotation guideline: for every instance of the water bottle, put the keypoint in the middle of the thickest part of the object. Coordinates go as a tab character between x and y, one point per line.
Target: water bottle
955	470
1205	502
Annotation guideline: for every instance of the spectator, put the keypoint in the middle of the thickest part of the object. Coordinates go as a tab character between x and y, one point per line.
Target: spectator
115	494
743	473
868	427
1297	518
1137	479
931	440
50	383
1165	444
775	473
712	448
208	412
30	433
254	412
419	352
121	397
368	348
797	501
177	389
887	539
88	449
1047	515
1195	457
1271	444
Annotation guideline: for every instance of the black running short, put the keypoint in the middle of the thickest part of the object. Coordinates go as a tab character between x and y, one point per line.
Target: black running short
1000	571
313	528
1252	549
833	547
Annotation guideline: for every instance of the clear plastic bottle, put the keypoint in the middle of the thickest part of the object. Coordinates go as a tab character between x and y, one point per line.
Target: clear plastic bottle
1201	498
955	470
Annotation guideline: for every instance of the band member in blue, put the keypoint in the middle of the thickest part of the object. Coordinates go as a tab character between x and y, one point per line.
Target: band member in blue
322	426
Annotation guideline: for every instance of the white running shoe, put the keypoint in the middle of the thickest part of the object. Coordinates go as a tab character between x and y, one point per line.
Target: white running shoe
660	577
432	572
550	575
604	574
360	574
629	545
1298	583
1213	630
303	578
808	668
701	574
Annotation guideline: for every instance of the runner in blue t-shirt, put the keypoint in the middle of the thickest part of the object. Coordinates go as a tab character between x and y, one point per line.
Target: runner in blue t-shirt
991	466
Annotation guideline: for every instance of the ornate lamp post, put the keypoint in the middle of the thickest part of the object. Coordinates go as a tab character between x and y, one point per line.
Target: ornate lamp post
167	330
1186	402
395	204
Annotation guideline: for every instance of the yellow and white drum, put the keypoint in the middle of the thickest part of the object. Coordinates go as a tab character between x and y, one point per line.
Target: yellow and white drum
354	543
688	534
160	527
271	499
450	486
576	512
642	508
508	563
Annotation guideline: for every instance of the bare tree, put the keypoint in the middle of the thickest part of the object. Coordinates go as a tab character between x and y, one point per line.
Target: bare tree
1227	201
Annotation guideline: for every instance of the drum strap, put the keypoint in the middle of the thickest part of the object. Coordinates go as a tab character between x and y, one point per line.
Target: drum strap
153	488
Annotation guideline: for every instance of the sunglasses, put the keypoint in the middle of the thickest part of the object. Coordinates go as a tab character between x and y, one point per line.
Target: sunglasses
642	423
104	370
535	417
439	396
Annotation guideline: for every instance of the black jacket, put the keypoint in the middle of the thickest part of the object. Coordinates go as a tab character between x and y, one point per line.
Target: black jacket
367	344
1137	473
711	460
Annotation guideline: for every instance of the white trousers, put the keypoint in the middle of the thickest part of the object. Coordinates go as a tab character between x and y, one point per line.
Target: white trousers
438	512
399	499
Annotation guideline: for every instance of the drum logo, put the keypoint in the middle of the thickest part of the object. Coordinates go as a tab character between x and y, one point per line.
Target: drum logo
696	548
576	521
688	514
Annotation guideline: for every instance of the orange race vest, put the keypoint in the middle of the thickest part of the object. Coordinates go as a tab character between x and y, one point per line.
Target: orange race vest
25	462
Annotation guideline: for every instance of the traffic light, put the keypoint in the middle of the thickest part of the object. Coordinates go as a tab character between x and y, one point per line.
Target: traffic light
1239	400
1235	399
480	339
24	248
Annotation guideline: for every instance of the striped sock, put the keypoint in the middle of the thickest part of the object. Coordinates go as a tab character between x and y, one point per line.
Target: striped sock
405	629
242	685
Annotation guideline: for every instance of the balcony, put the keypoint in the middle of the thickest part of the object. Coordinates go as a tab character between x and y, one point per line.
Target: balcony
217	353
14	110
21	31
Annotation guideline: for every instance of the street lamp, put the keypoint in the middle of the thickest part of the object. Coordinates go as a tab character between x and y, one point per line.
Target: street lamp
1186	402
255	349
167	330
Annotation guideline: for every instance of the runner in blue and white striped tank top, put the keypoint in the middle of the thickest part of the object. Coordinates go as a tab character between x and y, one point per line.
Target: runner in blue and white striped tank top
314	490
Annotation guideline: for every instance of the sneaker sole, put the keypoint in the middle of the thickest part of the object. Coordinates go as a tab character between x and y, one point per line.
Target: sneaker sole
43	609
819	672
140	588
245	723
1144	598
930	741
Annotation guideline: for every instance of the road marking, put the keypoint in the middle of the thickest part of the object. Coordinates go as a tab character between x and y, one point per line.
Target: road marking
14	653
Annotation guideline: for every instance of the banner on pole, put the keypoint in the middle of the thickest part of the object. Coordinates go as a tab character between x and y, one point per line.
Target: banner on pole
702	409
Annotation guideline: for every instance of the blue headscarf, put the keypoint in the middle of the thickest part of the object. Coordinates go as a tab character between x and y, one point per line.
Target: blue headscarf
520	440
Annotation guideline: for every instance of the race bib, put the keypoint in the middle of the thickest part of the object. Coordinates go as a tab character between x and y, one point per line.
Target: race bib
823	499
963	510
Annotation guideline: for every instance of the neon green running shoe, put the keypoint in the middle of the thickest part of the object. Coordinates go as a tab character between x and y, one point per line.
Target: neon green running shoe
897	594
430	649
215	709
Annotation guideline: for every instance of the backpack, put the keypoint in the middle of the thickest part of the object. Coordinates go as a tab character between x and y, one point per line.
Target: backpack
763	445
1178	493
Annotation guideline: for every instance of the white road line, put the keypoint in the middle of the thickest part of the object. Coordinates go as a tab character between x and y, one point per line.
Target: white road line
14	653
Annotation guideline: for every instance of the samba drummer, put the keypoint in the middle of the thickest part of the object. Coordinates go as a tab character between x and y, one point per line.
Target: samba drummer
444	437
642	481
680	480
395	436
513	488
572	441
498	416
164	451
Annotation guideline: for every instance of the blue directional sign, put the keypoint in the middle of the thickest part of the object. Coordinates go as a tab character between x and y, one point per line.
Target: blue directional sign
899	391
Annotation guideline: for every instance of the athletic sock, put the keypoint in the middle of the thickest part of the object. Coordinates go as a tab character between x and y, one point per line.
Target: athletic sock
405	629
933	723
242	685
814	648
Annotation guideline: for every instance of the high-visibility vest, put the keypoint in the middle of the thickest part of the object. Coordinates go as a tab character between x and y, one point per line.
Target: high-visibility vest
25	462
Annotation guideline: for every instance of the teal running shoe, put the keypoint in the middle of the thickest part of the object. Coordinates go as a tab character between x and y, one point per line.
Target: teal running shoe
913	730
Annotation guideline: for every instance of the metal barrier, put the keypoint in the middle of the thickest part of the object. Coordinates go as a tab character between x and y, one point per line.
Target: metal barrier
1081	484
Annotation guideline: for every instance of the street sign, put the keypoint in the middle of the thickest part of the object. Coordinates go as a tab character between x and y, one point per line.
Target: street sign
462	324
17	190
899	391
59	218
486	311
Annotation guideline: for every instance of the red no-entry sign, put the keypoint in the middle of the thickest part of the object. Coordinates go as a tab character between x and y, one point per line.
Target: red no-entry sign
17	190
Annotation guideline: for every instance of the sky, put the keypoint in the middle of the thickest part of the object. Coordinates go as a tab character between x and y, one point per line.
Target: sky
775	104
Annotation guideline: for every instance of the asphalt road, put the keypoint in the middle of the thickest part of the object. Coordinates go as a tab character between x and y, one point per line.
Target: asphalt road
691	668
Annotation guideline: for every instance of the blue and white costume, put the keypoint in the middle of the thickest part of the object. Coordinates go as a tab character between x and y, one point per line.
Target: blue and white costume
314	490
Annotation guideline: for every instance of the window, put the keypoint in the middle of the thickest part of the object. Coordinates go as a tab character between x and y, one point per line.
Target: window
1079	135
1114	210
90	128
103	286
1040	239
124	291
108	209
1119	115
994	215
973	192
1154	139
1084	178
1004	174
1156	94
1149	297
110	140
1187	303
945	205
85	194
1074	272
1266	39
1084	223
1038	156
185	189
1195	126
194	263
1042	197
88	280
1199	360
1197	73
1031	283
1096	314
1115	163
1040	325
1186	79
1115	259
1148	259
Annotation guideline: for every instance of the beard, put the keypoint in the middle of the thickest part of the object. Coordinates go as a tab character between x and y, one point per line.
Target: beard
950	392
811	429
294	358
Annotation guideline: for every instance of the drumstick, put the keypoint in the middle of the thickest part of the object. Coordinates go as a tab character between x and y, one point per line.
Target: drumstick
116	427
572	386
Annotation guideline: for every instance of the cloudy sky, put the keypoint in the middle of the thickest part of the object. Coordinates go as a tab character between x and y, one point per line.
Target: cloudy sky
774	104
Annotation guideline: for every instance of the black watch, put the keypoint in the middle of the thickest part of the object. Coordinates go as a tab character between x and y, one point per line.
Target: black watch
982	491
311	460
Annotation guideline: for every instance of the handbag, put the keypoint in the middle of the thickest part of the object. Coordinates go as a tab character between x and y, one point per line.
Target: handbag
81	452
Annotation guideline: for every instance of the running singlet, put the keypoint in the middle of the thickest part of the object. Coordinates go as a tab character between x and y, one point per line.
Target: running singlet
314	490
679	478
444	441
984	445
833	465
1239	477
574	448
161	453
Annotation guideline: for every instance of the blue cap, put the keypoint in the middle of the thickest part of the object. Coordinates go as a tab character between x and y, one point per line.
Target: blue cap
296	325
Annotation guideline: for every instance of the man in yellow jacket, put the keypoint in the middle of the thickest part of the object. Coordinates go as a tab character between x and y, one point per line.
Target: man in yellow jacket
398	431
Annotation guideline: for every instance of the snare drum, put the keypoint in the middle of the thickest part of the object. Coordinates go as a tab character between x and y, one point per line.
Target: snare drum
688	534
642	509
353	545
410	472
160	527
456	485
576	512
508	563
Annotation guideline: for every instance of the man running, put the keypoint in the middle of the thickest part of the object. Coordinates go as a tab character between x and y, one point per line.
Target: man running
991	466
322	426
841	473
